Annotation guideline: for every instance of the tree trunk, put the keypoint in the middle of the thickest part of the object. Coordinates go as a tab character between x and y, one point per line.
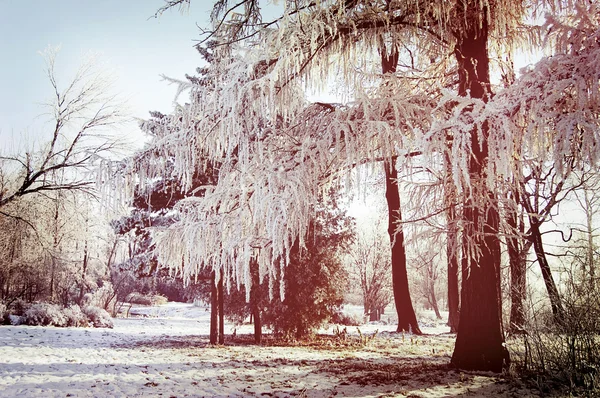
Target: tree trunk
432	299
479	341
83	271
407	320
538	247
52	273
255	306
374	315
221	311
257	325
54	250
214	328
589	257
451	249
517	255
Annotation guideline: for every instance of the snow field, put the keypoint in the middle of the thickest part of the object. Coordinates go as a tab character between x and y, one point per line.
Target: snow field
168	355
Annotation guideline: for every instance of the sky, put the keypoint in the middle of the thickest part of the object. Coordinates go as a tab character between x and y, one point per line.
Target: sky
129	42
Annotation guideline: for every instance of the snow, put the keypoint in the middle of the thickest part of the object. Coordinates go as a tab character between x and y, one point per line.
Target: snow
166	353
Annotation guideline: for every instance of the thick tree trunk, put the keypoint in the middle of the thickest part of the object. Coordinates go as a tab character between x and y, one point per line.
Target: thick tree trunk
214	328
257	325
479	341
452	250
374	315
538	247
221	311
407	320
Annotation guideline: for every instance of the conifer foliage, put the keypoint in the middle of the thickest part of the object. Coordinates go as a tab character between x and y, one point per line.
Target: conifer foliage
315	280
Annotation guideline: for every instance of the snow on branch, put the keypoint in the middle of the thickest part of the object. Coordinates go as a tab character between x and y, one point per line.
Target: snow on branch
274	153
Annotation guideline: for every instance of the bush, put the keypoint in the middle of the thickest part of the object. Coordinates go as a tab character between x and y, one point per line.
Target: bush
159	300
314	281
566	352
140	299
146	299
19	307
98	317
339	318
75	317
44	314
104	297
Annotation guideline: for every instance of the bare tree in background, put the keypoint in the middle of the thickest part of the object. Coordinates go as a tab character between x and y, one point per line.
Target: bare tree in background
429	269
81	112
586	249
371	268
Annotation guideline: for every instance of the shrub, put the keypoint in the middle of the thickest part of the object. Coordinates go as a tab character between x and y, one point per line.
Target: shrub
87	299
566	352
44	314
314	281
19	307
98	317
140	299
103	297
315	278
340	318
159	300
75	317
146	299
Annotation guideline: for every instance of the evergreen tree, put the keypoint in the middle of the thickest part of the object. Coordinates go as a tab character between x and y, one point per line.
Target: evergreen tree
314	281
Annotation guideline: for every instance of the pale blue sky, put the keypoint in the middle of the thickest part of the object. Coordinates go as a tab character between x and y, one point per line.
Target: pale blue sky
138	48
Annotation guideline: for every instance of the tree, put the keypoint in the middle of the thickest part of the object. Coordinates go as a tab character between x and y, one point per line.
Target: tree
314	281
588	199
50	252
314	278
427	266
540	193
407	320
80	115
40	187
277	150
370	269
154	206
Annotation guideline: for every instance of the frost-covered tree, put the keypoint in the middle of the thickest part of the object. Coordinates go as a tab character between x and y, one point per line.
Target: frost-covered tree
370	269
426	263
314	279
79	115
276	152
586	250
153	204
54	251
40	188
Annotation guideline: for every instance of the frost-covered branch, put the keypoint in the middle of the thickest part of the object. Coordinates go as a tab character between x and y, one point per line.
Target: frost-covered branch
80	114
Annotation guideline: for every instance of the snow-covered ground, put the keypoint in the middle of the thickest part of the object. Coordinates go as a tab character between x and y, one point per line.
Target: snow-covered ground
167	354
